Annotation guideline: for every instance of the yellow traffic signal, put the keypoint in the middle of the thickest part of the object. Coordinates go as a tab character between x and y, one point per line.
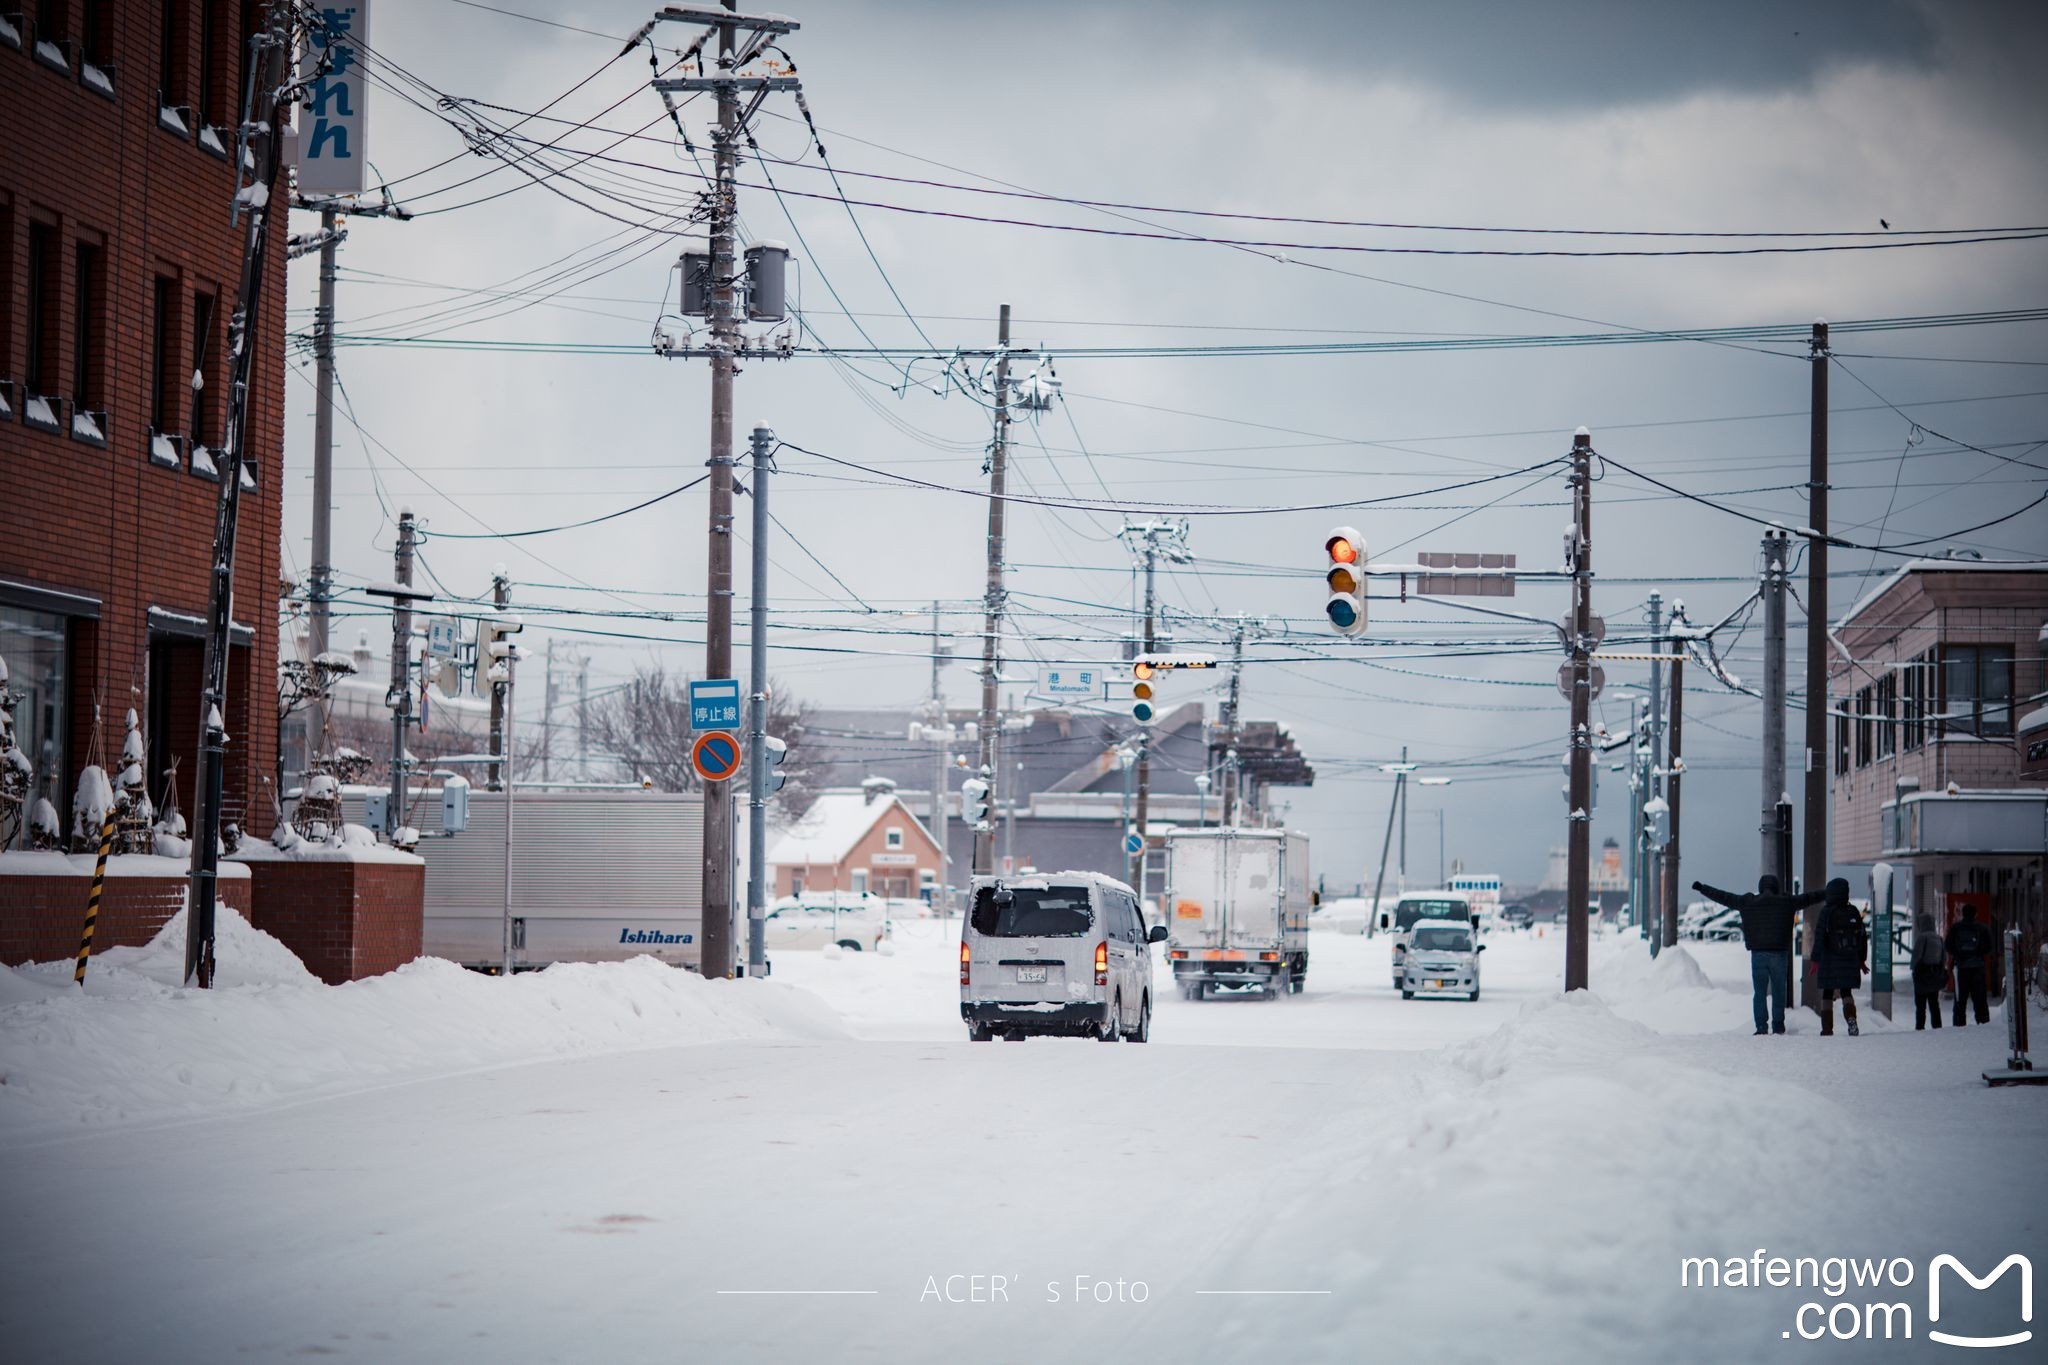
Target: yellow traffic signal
1346	579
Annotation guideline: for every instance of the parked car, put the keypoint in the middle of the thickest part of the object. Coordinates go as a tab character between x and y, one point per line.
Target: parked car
854	923
1708	921
1342	915
1516	916
1068	953
1442	959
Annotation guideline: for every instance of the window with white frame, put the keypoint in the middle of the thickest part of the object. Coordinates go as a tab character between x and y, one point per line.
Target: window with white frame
893	837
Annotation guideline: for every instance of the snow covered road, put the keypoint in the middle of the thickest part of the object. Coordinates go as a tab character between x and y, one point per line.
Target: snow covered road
1513	1179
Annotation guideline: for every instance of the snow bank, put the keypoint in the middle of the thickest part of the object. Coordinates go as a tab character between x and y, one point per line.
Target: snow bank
135	1048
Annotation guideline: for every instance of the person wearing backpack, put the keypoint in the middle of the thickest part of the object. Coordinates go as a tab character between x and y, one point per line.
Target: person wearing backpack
1930	971
1969	947
1839	951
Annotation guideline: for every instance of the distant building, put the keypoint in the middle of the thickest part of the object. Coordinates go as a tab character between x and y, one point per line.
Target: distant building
861	840
1608	873
1943	658
119	267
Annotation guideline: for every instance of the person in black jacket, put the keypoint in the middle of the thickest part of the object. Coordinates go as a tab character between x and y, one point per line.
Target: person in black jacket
1839	948
1767	919
1930	971
1969	947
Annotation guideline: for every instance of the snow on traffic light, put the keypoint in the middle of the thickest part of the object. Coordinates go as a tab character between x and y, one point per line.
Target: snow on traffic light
1346	579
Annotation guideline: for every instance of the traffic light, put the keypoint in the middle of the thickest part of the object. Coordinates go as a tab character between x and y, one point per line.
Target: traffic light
1142	674
1346	577
974	803
774	751
496	650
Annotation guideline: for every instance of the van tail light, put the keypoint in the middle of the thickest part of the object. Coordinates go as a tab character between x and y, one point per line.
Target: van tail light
1176	953
963	961
1102	963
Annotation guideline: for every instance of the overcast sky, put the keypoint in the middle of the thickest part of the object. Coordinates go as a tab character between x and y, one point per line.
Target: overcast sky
1731	117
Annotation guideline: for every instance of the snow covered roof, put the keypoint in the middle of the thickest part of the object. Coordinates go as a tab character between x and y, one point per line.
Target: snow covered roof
838	819
1913	566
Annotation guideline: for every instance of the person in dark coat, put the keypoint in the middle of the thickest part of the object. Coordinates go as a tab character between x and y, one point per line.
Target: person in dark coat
1767	919
1839	949
1930	971
1969	947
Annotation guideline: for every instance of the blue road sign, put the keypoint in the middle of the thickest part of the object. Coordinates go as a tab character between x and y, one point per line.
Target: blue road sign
715	704
1132	842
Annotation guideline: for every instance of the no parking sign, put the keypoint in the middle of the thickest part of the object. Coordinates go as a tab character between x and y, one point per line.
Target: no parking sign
715	755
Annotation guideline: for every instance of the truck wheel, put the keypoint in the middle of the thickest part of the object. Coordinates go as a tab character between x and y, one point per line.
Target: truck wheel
1015	1035
1279	984
1475	992
1112	1023
979	1033
1407	995
1144	1033
1190	991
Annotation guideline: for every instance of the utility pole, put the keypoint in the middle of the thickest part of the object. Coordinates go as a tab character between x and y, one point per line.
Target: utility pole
1639	796
941	742
1380	879
720	278
501	691
1773	593
583	718
1231	724
505	925
1653	882
401	670
1671	872
1579	822
1153	538
252	206
1816	795
320	587
547	718
992	610
757	727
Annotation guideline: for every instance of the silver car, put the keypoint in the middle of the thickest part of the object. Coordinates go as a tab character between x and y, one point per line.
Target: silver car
1442	960
1067	953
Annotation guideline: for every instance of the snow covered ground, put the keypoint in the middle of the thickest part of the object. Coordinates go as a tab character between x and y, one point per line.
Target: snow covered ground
626	1163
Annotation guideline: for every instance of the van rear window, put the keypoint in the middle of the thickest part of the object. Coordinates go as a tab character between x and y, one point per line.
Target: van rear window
1053	912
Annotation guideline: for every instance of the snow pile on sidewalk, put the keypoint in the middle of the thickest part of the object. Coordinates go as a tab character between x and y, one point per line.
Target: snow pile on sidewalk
136	1048
1573	1119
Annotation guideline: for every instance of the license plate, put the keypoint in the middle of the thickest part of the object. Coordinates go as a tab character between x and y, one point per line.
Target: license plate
1031	973
1436	985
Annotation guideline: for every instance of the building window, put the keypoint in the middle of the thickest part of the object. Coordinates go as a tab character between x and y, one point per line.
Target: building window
893	837
1887	695
1841	741
39	369
1913	720
163	372
202	431
172	105
1977	690
8	398
88	354
1863	728
96	47
36	646
53	34
860	881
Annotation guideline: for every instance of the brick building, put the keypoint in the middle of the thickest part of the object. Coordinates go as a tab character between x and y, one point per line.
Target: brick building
121	267
861	840
1944	658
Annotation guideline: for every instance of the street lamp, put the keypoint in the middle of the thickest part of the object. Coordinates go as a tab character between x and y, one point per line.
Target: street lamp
1202	795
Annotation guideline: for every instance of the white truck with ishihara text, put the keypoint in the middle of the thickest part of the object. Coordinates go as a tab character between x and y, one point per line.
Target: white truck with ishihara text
1237	908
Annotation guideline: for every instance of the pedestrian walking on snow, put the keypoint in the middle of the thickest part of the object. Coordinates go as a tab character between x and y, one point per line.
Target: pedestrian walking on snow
1767	919
1840	949
1930	970
1969	947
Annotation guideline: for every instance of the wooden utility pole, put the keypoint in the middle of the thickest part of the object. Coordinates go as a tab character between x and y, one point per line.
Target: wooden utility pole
992	606
1579	820
1816	795
1772	591
1672	881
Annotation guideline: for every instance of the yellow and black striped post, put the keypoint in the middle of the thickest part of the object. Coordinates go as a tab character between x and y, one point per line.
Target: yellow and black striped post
92	905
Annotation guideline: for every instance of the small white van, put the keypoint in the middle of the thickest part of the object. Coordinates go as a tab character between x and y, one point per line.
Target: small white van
1062	953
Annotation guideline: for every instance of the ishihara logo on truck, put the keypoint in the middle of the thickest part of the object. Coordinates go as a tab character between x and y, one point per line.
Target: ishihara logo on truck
652	936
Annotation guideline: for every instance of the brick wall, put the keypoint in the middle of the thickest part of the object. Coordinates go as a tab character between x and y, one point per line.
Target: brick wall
346	920
41	916
106	522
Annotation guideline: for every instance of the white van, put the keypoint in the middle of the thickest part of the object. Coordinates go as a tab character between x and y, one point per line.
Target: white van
1063	953
1422	905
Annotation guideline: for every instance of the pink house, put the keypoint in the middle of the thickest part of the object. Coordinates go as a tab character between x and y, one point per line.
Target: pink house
857	839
